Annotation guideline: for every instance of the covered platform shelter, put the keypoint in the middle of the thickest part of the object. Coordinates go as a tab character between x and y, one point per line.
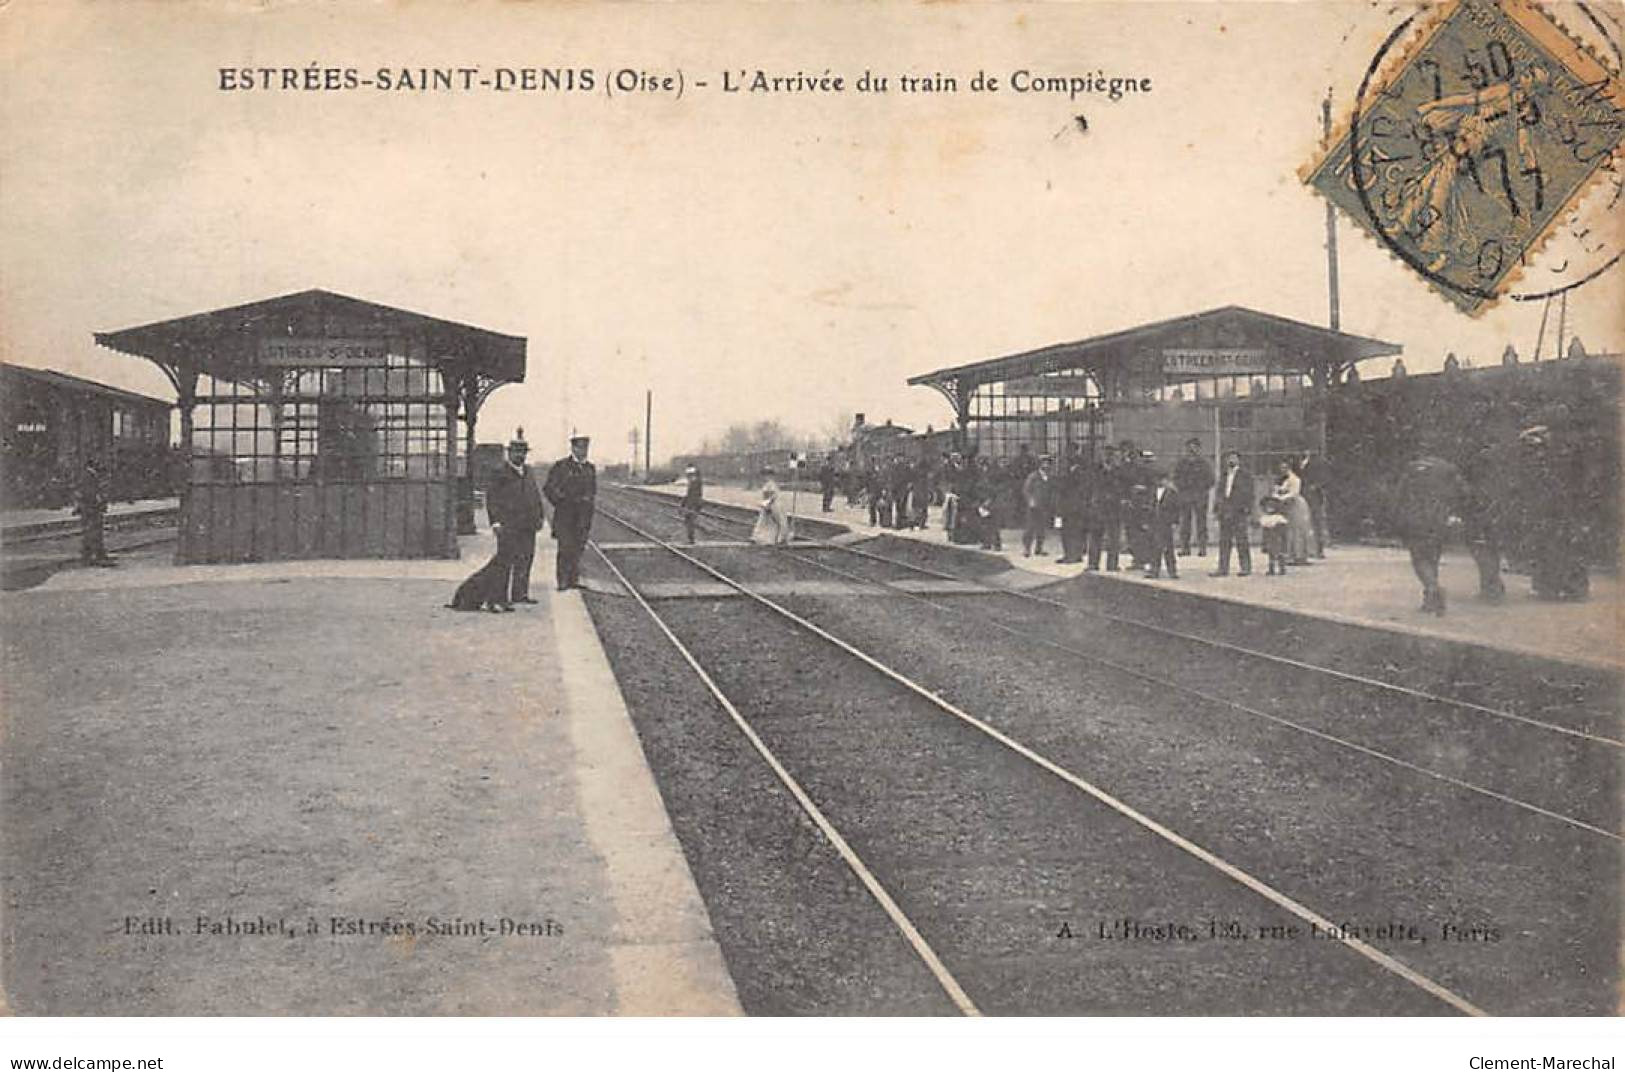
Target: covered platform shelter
316	425
1234	378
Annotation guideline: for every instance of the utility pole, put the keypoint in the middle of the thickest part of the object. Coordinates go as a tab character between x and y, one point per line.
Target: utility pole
1562	320
648	430
1331	219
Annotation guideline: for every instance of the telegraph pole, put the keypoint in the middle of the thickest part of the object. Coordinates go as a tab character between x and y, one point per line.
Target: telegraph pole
648	430
1331	219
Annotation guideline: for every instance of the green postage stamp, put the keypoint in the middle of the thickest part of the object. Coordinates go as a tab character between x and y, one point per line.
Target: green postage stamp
1479	128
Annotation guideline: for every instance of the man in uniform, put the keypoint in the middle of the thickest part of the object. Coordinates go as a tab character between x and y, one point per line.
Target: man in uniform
515	508
572	485
693	500
91	505
1550	501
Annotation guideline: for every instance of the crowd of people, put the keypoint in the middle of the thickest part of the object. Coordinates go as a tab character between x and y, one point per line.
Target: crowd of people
1121	506
1515	503
1520	502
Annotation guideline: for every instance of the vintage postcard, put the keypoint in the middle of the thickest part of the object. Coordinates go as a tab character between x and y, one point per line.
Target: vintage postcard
888	509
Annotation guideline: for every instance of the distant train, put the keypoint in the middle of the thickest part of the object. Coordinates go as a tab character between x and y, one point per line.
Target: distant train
53	423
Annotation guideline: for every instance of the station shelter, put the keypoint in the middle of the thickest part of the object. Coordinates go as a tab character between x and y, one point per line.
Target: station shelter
1232	378
316	425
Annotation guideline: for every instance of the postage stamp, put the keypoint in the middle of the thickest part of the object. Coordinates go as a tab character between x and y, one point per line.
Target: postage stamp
1478	130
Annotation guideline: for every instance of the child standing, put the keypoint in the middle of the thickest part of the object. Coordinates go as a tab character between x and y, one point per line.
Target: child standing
1275	524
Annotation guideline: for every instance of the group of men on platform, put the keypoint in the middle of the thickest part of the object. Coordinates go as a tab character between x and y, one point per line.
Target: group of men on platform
513	502
1119	503
1519	499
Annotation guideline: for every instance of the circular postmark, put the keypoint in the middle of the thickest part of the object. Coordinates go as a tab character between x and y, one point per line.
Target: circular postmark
1484	153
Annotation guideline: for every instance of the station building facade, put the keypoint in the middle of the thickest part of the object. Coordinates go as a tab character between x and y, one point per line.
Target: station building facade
1232	378
316	425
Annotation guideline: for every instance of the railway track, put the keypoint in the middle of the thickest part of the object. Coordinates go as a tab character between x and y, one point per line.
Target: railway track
1609	737
29	561
1038	758
1589	758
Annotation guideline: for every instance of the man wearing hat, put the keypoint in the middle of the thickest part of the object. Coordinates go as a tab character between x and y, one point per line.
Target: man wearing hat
693	499
515	508
572	485
1038	496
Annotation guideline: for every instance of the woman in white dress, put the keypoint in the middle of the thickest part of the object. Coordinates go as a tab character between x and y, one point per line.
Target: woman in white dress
772	527
1300	521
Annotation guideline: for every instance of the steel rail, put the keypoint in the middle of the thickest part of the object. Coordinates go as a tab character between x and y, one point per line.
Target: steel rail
1224	867
911	933
1221	645
1222	701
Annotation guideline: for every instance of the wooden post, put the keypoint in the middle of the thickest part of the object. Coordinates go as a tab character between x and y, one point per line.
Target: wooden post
449	386
186	399
1331	223
469	393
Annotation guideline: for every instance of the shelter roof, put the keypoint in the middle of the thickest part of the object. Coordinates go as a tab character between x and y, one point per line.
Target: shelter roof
1318	344
79	385
209	341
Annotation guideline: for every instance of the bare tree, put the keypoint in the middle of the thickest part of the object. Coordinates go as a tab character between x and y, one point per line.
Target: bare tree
836	432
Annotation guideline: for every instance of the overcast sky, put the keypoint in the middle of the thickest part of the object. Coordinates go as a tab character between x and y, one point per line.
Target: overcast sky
745	256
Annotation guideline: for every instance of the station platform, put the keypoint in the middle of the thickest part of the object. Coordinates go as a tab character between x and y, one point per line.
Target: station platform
230	789
1356	584
21	524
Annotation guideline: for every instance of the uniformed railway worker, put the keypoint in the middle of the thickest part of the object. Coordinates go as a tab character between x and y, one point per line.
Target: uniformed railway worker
90	503
1549	500
693	500
572	486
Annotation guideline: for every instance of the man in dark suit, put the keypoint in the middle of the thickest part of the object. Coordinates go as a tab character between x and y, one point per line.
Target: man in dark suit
1163	513
1427	502
572	487
1038	500
1194	478
1105	517
1072	503
1233	502
1136	478
515	509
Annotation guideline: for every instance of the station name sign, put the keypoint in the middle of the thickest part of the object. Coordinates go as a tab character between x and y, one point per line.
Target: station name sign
1215	362
321	352
1049	386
